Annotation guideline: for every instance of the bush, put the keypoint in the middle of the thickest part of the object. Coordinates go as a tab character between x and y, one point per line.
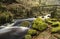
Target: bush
32	32
25	23
9	16
39	24
28	37
6	17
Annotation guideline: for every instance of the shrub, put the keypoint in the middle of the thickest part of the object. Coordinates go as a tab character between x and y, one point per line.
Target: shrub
39	24
32	32
9	16
25	23
28	37
5	17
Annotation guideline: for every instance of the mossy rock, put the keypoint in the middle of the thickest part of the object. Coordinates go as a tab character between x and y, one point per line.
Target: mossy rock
28	37
25	23
48	21
39	24
56	29
55	24
32	32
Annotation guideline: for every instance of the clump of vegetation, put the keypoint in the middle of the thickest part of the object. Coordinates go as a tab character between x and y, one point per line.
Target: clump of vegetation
5	17
28	37
39	24
32	32
25	23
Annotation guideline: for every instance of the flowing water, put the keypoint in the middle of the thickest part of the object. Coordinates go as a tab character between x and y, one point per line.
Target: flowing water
13	31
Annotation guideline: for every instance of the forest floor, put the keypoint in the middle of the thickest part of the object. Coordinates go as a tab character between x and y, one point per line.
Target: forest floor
45	35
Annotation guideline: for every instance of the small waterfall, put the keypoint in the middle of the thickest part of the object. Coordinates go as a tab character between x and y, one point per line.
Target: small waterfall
8	28
13	32
11	24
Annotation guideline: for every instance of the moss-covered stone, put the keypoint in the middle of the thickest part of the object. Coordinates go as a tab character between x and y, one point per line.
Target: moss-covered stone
39	24
28	37
32	32
25	23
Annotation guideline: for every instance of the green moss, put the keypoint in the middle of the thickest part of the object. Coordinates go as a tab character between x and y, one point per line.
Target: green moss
25	23
55	24
57	29
48	21
32	32
39	24
28	37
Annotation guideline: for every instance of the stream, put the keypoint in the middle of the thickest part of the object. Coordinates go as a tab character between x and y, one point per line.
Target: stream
14	31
